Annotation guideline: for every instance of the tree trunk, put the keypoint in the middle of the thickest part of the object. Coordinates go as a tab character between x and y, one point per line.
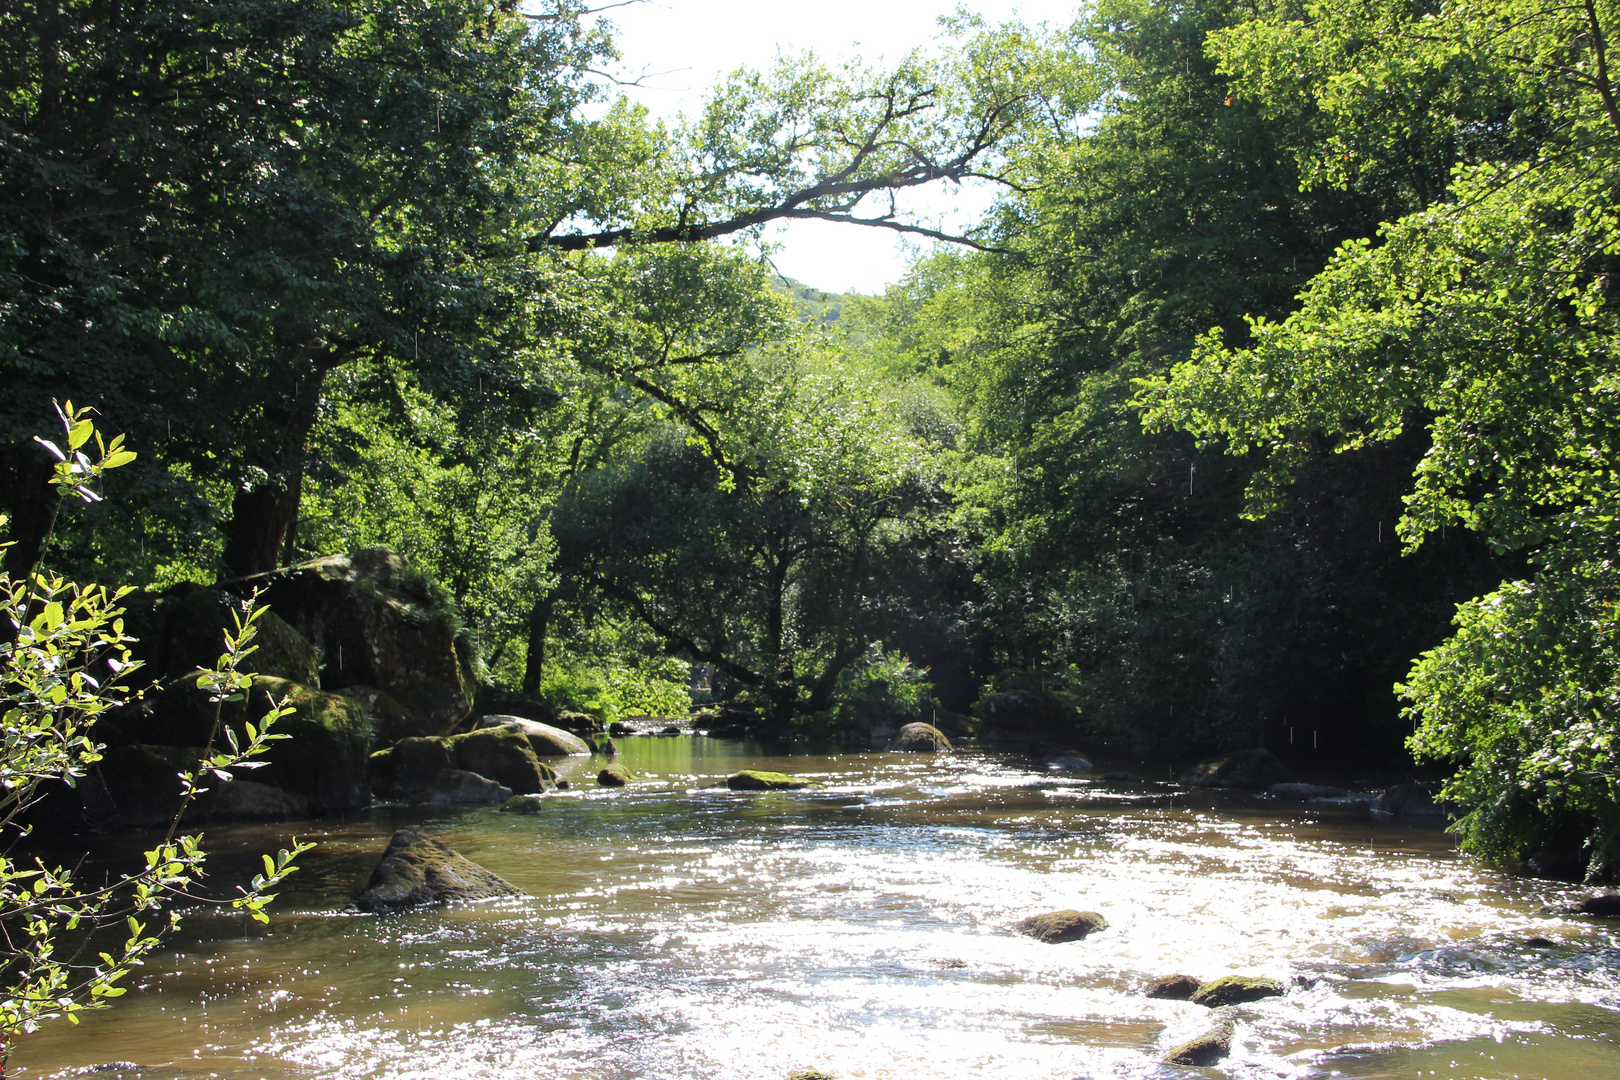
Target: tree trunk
265	507
31	503
534	665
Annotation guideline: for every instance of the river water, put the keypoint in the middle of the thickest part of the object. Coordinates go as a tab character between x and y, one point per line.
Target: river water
861	927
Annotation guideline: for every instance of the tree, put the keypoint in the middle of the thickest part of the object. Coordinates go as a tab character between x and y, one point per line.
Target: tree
760	528
228	202
1485	320
63	663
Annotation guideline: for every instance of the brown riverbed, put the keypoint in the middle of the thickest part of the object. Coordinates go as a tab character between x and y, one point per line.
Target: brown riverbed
861	927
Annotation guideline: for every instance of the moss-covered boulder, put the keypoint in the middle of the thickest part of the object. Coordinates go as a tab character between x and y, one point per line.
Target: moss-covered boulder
523	804
183	628
416	871
760	780
614	776
327	753
1054	927
544	739
379	625
1028	718
1235	990
1206	1049
503	755
410	769
1174	988
390	720
920	738
1256	768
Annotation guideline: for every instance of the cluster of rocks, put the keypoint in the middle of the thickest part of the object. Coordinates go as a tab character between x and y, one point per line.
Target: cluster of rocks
358	648
1261	770
1056	927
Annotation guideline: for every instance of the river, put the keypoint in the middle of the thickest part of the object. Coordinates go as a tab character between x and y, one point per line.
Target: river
861	927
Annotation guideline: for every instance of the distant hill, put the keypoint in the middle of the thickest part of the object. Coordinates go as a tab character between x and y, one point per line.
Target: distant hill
821	308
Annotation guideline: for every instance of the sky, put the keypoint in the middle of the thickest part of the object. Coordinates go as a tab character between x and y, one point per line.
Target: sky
679	48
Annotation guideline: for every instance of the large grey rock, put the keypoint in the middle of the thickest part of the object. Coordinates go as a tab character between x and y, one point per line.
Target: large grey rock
416	871
544	739
1058	926
375	624
1257	768
923	738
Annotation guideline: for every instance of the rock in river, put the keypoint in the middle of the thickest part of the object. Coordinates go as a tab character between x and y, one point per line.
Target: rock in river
759	780
1174	988
1066	925
1235	990
1603	905
1255	768
544	740
614	776
1305	792
524	804
1205	1049
416	871
461	786
920	737
1408	800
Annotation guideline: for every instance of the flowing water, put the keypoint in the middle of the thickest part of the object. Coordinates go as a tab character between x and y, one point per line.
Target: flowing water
861	927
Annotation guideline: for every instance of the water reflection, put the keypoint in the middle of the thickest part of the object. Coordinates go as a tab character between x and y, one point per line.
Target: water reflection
860	926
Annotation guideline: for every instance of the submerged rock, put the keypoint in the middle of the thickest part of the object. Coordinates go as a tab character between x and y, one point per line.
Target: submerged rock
608	748
1235	990
1174	988
416	871
924	738
523	804
1256	768
1119	778
760	780
614	776
1305	792
1058	926
461	786
1205	1049
1603	905
1408	800
1069	761
544	740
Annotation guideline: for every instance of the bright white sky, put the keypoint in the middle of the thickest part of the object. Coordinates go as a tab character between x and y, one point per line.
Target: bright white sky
681	47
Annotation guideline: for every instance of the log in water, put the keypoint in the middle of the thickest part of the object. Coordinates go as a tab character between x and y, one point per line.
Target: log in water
863	926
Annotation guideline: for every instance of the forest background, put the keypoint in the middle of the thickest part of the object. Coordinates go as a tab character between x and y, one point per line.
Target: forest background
1288	334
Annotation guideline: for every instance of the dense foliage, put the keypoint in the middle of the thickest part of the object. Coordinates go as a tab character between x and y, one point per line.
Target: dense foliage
1288	334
